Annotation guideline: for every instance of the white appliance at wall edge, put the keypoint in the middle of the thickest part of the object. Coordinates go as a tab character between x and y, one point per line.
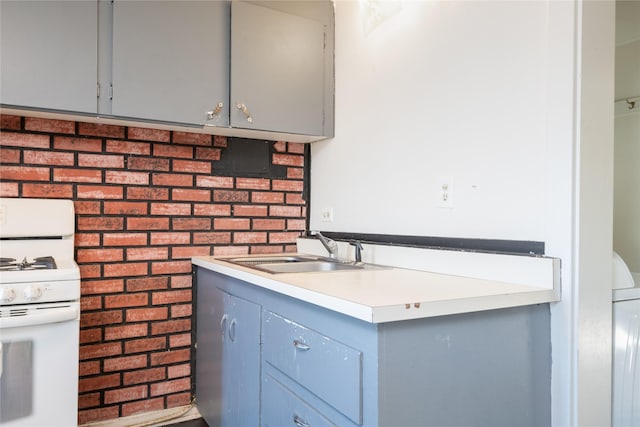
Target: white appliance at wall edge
626	346
39	313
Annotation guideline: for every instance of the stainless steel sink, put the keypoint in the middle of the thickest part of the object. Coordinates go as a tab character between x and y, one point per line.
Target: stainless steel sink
270	259
297	264
308	267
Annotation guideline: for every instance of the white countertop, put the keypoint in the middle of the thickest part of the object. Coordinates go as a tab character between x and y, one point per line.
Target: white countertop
391	294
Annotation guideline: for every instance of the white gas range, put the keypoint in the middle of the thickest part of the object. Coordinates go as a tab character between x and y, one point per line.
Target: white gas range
30	281
39	313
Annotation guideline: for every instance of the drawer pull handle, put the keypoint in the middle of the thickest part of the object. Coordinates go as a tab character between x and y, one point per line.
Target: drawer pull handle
300	422
301	346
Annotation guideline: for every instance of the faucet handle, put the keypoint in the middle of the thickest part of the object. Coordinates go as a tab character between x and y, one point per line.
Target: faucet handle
359	249
330	245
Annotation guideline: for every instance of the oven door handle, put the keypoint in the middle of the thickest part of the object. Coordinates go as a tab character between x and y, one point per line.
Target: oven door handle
41	316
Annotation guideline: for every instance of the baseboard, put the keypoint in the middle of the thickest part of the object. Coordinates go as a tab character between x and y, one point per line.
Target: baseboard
152	419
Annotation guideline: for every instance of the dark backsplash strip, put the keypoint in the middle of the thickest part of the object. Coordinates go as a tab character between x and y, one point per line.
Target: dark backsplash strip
519	247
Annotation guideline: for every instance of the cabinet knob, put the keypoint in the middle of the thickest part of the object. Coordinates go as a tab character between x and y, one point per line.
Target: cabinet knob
301	345
300	422
215	112
246	112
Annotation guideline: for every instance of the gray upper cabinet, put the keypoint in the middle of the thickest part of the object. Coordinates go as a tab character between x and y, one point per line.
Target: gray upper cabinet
282	66
261	69
49	55
170	61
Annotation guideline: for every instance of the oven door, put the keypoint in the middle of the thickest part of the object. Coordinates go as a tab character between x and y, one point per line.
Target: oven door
39	369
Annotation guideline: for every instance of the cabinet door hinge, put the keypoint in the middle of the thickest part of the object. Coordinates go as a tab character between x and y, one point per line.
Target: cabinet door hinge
97	90
110	91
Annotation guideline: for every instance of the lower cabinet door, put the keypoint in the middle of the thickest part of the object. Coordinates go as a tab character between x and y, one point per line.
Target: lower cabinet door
283	408
210	348
241	363
227	356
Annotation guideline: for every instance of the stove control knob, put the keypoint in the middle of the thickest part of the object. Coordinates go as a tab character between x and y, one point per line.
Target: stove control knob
32	293
7	294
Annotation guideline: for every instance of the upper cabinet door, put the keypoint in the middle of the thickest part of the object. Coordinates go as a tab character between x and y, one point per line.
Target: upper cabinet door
170	61
278	66
49	54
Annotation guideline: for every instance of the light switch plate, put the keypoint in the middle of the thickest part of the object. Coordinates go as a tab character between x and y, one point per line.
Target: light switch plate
445	192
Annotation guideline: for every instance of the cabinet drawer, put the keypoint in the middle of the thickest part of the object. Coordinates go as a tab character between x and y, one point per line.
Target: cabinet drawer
329	369
281	408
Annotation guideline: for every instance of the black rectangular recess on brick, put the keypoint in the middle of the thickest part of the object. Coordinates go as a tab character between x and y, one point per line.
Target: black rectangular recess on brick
248	158
518	247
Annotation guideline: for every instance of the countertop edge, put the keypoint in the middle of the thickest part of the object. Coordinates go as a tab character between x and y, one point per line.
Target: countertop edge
464	305
380	314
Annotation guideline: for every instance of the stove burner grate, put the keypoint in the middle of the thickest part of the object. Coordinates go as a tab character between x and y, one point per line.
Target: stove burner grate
40	263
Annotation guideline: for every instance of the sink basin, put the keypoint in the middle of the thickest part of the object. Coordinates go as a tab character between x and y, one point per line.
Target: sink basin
270	259
297	264
308	267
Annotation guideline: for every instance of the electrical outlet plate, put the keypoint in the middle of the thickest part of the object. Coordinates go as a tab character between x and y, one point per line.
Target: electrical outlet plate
445	192
326	215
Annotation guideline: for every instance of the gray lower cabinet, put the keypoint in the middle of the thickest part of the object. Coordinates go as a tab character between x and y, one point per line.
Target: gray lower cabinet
282	407
317	367
331	370
49	55
228	359
170	61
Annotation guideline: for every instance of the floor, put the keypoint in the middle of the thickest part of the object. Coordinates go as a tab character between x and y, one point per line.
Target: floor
199	422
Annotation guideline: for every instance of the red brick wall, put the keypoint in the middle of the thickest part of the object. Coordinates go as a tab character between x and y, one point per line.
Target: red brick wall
146	201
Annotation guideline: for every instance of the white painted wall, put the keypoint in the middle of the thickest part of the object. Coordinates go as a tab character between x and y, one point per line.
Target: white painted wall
459	89
591	323
626	231
484	92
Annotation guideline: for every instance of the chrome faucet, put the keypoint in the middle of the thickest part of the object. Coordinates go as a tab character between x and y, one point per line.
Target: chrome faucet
330	245
358	248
